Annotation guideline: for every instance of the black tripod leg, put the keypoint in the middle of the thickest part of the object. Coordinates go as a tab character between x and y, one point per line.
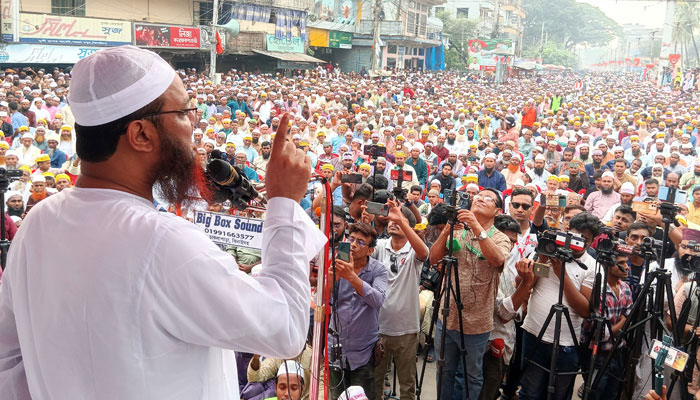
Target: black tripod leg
429	341
460	307
677	340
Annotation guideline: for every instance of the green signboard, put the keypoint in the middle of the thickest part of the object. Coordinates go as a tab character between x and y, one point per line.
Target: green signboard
340	40
295	45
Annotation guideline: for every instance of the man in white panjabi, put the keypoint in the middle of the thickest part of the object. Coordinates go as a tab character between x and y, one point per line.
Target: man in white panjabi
139	304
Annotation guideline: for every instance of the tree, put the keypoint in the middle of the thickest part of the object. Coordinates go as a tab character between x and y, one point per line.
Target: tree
553	53
685	21
460	30
567	23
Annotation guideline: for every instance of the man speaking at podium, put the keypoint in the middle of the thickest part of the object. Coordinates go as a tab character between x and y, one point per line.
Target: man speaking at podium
132	303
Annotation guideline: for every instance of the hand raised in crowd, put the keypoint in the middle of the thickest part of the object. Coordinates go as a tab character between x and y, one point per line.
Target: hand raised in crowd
395	214
292	168
366	217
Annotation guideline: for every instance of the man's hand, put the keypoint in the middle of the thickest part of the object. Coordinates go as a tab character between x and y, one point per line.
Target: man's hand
469	218
366	217
524	268
395	213
653	396
344	269
292	168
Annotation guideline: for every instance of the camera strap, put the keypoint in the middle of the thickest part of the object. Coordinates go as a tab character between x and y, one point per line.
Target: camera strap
474	250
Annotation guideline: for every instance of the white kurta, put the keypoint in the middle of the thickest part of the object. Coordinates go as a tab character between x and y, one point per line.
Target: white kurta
130	303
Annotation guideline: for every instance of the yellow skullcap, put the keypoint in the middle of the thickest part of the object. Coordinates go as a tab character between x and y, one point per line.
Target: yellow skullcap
327	167
42	158
62	176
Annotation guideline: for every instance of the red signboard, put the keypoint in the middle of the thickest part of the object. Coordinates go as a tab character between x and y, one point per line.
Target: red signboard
673	58
148	35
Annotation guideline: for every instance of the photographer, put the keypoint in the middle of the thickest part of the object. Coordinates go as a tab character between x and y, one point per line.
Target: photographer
482	253
403	255
615	309
354	324
637	264
577	290
508	302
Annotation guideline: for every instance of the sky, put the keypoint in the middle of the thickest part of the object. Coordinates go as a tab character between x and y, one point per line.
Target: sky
649	13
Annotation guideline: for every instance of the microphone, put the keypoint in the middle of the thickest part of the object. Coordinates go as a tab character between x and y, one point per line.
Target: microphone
231	180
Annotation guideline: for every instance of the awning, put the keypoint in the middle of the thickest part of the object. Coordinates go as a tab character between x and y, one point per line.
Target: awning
298	57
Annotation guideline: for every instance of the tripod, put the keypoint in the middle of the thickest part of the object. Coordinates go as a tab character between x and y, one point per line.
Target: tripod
600	323
691	346
449	265
556	311
664	291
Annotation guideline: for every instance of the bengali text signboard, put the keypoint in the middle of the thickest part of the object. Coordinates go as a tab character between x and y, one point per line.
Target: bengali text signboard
44	53
150	35
60	29
294	45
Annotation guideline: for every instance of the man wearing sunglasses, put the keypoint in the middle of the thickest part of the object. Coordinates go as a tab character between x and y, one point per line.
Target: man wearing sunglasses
403	255
482	252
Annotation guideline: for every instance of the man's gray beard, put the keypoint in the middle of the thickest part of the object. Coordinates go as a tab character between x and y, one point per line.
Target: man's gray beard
241	166
636	153
606	191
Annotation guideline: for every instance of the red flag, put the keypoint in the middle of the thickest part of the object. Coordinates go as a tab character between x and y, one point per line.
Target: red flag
219	45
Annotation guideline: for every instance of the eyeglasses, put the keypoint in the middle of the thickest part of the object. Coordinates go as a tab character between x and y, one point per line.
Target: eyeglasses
394	268
524	206
485	198
360	242
185	112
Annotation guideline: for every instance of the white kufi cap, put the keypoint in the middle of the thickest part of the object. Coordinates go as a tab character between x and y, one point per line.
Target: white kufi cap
114	82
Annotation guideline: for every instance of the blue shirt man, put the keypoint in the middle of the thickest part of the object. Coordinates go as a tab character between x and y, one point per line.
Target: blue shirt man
489	177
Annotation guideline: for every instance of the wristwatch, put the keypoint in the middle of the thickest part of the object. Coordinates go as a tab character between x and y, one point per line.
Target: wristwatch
482	236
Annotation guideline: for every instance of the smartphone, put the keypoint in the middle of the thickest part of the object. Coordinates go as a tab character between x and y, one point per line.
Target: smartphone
556	201
377	208
407	175
681	196
540	270
562	201
344	251
351	178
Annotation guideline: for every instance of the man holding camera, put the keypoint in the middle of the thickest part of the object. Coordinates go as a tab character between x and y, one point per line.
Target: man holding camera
577	290
481	251
403	255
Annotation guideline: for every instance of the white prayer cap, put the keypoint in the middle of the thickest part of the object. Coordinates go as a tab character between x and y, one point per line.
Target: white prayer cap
209	141
114	82
11	194
11	153
38	178
290	367
627	188
608	174
540	157
28	135
519	182
353	393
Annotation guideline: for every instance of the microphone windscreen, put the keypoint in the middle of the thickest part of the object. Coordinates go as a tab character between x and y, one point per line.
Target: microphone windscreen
317	211
219	170
216	154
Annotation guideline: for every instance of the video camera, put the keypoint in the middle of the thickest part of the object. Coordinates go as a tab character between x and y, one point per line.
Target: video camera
6	176
608	250
691	262
557	244
651	248
375	150
461	201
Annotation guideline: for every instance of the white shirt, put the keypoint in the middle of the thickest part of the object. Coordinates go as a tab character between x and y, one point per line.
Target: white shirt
400	313
138	304
546	292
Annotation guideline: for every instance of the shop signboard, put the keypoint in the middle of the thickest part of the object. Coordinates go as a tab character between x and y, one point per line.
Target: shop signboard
166	36
60	29
44	53
340	40
295	45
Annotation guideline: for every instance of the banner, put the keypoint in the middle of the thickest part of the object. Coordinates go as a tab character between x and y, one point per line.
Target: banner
150	35
58	29
340	40
482	51
43	54
7	17
230	230
295	45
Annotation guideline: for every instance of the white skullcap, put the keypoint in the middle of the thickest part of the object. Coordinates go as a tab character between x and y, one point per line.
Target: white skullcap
435	182
11	153
608	174
627	188
52	136
114	82
617	148
290	367
12	193
209	141
660	140
490	155
28	135
15	218
540	157
657	166
38	178
519	182
353	393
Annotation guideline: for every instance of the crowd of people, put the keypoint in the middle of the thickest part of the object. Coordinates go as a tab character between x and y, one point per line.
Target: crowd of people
532	154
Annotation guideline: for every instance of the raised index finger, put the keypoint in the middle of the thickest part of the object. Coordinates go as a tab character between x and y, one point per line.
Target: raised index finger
280	136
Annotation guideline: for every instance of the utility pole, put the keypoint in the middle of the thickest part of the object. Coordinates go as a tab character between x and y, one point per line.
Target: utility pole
542	40
376	37
651	48
212	52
